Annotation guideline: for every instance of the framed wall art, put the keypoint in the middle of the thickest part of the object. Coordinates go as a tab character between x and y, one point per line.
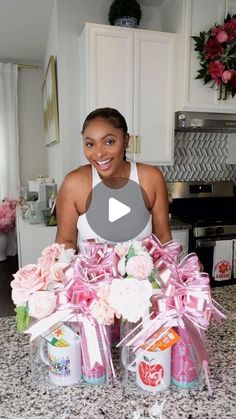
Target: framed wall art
50	104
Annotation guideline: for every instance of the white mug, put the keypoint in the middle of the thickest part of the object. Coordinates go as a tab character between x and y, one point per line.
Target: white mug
63	360
152	368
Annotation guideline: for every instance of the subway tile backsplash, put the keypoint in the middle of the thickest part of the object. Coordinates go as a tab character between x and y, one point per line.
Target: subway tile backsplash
200	156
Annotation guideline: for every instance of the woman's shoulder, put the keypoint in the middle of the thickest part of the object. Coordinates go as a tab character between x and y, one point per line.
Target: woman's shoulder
149	172
80	176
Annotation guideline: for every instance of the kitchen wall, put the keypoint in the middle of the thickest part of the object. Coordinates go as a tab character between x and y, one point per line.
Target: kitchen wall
32	150
67	22
200	156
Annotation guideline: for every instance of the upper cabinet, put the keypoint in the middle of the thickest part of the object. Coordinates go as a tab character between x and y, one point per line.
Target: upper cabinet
132	70
188	18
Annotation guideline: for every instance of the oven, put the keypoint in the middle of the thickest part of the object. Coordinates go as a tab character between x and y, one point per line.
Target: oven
210	209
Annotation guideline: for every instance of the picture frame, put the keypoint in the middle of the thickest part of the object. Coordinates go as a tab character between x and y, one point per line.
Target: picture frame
50	104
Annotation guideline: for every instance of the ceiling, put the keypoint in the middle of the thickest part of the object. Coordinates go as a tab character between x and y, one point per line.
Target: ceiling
24	26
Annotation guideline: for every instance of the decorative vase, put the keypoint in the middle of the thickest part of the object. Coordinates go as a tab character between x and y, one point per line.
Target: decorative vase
128	22
3	246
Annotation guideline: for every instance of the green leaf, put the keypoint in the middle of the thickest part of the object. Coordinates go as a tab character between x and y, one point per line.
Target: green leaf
153	279
130	253
22	318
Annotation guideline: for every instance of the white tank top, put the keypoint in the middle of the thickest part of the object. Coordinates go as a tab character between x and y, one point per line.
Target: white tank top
85	232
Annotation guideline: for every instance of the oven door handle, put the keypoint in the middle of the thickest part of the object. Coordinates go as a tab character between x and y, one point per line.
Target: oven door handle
205	243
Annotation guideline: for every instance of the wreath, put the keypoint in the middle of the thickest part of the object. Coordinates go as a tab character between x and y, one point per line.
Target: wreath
217	53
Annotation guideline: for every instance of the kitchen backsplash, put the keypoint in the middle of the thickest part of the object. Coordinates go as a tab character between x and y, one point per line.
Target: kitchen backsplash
200	156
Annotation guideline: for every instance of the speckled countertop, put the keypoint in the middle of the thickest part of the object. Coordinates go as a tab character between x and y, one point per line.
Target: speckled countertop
19	399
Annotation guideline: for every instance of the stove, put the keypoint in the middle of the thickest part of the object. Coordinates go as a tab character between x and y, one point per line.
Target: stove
210	209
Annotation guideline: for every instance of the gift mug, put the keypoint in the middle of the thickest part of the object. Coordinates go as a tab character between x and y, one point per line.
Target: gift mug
152	368
61	351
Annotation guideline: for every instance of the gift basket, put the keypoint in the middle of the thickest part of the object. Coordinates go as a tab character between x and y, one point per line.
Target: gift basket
138	296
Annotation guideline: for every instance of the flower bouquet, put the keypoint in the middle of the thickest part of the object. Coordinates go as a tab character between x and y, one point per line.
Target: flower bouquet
7	215
217	53
167	303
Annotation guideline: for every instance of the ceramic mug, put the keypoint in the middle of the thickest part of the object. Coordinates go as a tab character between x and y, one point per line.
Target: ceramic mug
152	369
61	351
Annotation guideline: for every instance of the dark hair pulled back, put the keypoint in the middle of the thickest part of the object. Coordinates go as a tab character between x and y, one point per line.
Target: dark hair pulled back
111	115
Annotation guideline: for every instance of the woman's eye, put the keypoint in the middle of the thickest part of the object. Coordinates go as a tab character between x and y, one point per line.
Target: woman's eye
110	141
89	145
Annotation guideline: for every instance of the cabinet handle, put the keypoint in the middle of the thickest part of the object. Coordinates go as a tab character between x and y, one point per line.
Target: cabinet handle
137	144
134	144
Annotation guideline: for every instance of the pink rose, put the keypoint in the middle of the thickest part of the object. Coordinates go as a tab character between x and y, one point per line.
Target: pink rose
216	70
41	304
222	37
230	29
213	49
227	75
49	256
27	280
140	266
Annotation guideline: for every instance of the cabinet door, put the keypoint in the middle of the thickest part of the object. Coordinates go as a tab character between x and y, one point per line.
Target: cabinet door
153	95
106	63
202	14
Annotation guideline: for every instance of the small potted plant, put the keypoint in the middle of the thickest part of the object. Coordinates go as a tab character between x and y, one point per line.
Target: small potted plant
125	13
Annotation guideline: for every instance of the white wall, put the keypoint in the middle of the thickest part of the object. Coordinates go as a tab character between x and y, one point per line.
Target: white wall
32	150
67	22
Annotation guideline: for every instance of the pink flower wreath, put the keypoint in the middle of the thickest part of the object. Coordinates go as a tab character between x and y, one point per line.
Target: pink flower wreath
217	53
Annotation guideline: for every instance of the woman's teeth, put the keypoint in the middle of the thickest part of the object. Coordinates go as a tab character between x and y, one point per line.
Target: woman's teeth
104	164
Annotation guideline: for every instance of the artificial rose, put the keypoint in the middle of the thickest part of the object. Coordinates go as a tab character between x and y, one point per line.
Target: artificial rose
57	272
130	297
230	29
27	280
101	309
226	76
41	304
222	37
216	70
140	266
121	266
121	249
213	49
49	256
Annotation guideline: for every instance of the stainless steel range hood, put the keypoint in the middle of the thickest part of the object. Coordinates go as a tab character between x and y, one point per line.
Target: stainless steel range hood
205	122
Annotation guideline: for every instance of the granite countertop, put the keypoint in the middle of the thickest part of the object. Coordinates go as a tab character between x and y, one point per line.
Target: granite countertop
19	399
177	224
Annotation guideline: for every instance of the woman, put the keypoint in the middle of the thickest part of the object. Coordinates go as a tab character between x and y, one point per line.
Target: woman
105	140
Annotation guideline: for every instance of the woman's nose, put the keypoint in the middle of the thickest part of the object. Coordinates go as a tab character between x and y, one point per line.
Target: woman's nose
100	150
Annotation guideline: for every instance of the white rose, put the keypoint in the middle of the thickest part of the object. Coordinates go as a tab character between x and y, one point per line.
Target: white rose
66	255
41	304
130	297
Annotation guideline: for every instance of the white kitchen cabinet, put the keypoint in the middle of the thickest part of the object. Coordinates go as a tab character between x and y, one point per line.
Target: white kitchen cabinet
188	18
181	236
32	239
131	70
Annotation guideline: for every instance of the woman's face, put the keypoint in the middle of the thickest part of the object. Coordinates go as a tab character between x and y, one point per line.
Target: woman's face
104	147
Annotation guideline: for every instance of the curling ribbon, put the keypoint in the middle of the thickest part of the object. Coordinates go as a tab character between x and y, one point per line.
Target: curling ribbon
185	301
157	250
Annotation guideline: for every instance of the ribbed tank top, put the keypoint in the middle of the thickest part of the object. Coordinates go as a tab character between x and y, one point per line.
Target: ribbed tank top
85	232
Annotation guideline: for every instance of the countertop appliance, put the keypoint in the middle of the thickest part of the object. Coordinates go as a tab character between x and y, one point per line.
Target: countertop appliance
210	209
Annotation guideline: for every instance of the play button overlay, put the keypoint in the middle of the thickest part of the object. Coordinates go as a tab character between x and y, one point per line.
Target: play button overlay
116	210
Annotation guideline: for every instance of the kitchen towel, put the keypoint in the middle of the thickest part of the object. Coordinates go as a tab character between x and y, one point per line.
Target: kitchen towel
234	258
222	260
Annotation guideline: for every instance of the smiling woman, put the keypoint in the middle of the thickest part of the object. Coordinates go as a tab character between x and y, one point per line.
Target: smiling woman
105	140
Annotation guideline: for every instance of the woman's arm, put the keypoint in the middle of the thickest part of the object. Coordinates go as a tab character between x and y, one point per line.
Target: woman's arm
160	209
154	185
67	214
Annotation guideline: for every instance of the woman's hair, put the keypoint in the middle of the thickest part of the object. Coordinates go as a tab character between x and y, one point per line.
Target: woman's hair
111	115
